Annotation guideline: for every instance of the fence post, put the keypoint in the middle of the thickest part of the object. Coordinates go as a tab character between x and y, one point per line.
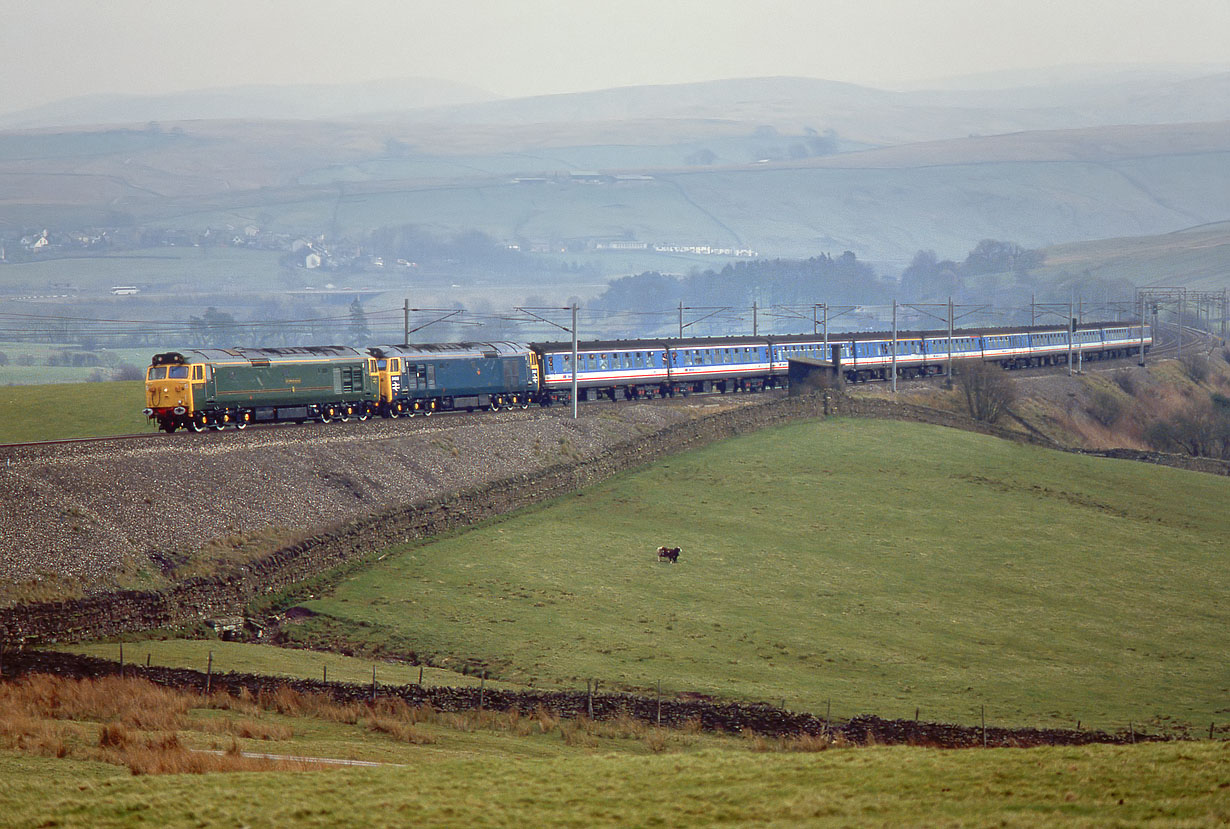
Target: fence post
147	658
324	673
420	676
589	699
373	683
984	726
915	714
209	674
121	658
659	700
1210	731
1132	731
482	686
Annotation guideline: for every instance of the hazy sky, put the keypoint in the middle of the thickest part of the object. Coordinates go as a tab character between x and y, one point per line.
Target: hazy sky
52	49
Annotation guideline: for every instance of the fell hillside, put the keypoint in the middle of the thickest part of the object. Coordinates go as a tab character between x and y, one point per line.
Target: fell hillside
1037	189
1197	258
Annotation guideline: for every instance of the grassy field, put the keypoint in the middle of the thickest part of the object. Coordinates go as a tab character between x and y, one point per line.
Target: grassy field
1180	785
882	566
191	268
72	410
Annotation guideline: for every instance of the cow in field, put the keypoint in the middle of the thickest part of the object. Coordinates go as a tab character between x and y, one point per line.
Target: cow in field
670	554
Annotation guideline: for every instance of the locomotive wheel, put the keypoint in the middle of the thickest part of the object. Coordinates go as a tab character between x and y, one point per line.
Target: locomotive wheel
241	424
167	426
218	427
394	413
364	414
196	425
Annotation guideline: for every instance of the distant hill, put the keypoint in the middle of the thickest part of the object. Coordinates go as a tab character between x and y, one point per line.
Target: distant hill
310	102
1197	257
1036	188
781	166
875	116
860	114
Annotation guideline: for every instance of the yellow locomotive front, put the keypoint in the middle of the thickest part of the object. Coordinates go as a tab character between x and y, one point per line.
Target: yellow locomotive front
168	390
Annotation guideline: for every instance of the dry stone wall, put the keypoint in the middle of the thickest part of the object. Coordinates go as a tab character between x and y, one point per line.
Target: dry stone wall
732	718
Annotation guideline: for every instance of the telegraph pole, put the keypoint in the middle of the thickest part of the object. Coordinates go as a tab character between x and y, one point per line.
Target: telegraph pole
574	361
894	347
405	321
1182	296
1080	352
1071	335
681	319
1142	329
755	324
950	342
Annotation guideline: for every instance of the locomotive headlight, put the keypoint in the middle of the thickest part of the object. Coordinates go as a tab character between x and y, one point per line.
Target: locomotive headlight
147	412
179	410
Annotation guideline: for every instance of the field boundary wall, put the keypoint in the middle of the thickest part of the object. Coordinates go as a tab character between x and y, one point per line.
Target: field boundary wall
671	712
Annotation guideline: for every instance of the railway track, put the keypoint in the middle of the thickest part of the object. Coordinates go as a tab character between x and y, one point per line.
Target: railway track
1166	346
381	426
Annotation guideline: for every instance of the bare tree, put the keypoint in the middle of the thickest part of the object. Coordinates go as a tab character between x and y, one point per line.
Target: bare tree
988	390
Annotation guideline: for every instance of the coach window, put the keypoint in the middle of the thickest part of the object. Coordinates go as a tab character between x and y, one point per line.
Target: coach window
198	372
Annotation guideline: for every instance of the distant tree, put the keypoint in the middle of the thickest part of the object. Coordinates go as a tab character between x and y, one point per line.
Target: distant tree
825	144
1201	430
127	371
987	389
701	158
214	327
358	333
396	148
994	256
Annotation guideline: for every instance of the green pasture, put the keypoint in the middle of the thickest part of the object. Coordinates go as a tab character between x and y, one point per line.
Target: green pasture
1175	784
71	410
189	268
879	567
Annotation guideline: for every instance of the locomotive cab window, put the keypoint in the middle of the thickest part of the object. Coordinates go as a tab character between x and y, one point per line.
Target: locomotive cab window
177	372
157	373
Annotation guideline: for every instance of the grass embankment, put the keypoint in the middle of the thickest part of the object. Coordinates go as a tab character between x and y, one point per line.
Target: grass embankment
72	410
884	566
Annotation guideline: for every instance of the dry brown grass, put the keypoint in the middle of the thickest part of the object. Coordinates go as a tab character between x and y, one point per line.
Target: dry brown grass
137	724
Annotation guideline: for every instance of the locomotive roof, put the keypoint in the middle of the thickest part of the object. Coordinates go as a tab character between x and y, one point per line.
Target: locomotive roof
834	336
492	349
273	355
